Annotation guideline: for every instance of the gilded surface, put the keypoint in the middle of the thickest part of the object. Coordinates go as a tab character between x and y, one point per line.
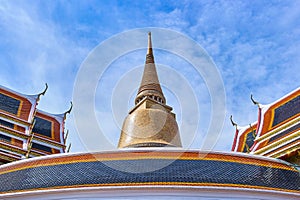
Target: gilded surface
150	125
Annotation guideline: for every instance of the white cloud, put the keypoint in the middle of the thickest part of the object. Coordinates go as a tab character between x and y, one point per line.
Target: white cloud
36	52
254	44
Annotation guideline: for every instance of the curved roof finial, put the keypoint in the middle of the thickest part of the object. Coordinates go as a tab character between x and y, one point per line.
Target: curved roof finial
70	109
232	122
254	102
45	90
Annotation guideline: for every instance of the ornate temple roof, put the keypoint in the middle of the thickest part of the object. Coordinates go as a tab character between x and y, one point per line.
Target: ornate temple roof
136	172
276	132
25	130
244	138
16	106
143	169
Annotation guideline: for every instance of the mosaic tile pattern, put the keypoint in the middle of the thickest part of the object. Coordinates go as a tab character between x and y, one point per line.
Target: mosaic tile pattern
9	104
286	111
190	169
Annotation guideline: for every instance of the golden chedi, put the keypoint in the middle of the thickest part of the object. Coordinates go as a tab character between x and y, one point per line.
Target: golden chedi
150	123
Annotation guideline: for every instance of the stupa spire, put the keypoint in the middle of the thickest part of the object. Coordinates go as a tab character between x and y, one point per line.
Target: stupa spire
150	123
150	86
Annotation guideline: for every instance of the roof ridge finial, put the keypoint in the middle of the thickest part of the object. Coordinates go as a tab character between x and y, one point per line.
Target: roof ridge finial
44	91
233	123
255	102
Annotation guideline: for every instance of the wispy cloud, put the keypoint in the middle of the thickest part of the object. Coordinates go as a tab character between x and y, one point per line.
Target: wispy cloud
255	48
254	44
38	52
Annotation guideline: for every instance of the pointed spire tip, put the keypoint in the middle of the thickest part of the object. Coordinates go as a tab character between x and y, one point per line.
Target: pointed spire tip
149	57
150	85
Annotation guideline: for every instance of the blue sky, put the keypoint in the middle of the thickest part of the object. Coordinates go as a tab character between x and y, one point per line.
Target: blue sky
254	44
